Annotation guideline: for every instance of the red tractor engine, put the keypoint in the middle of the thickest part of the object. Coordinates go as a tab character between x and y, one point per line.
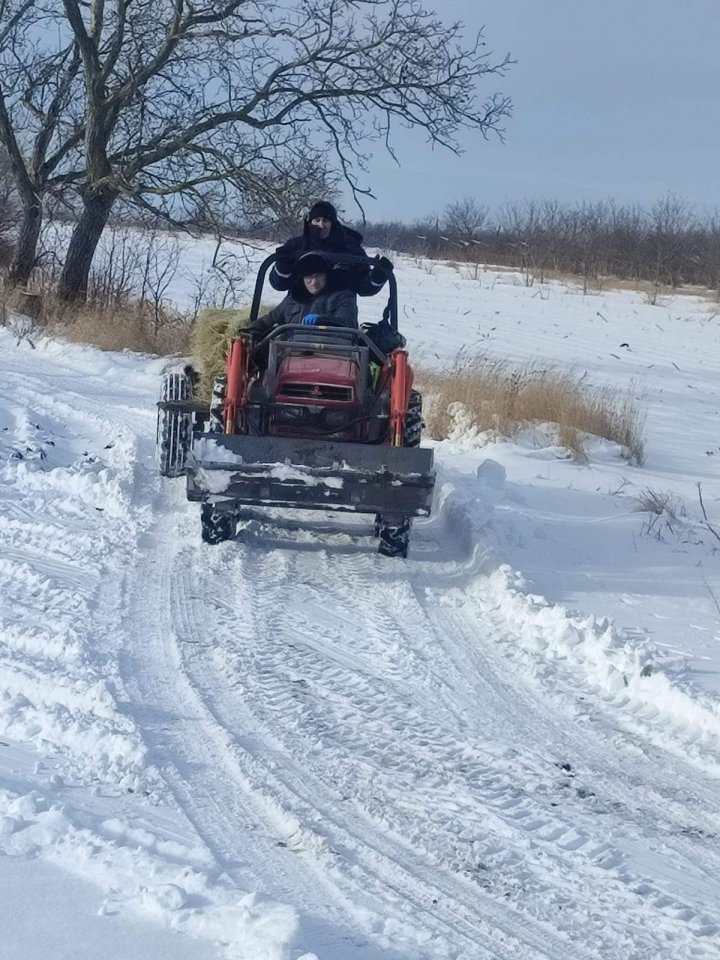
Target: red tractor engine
317	396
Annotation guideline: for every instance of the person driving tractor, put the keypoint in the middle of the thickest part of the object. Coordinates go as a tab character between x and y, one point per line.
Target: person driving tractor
315	298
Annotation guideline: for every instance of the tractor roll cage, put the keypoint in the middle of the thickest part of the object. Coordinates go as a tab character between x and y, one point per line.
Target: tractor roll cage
390	313
324	337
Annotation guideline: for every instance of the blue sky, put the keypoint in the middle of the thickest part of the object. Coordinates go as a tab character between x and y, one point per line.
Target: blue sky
614	99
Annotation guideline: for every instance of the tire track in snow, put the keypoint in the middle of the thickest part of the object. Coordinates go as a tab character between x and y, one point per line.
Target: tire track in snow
283	831
389	864
599	848
215	777
613	790
260	673
294	806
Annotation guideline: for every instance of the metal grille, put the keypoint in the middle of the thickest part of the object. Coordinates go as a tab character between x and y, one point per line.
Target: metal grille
316	391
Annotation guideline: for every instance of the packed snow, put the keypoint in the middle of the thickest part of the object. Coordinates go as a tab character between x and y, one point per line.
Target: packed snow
286	746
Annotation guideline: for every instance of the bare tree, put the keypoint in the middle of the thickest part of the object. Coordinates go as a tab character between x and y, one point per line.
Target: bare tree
41	116
582	245
243	94
539	232
464	219
708	255
671	221
8	209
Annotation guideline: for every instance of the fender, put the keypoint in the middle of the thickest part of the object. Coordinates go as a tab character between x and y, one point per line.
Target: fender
402	381
237	378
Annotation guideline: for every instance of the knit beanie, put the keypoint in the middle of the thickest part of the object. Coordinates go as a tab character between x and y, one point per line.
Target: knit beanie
323	209
311	263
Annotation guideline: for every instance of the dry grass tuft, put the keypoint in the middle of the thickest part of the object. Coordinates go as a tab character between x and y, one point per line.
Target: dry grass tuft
503	398
127	326
131	327
658	502
666	516
137	326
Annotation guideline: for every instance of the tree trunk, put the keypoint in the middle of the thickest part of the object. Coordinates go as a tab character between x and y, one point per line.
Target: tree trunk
25	252
83	243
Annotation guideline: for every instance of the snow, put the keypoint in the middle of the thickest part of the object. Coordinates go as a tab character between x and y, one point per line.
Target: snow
289	748
286	473
216	481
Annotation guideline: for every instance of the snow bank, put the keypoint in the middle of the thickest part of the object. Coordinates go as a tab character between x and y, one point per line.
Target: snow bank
589	652
137	880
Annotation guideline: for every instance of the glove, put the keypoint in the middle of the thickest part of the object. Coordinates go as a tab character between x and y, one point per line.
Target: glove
286	257
381	270
284	266
311	319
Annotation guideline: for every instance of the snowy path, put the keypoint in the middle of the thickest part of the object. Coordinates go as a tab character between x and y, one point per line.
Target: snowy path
399	773
417	757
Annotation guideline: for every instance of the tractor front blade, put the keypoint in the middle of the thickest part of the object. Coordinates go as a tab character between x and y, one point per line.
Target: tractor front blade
312	474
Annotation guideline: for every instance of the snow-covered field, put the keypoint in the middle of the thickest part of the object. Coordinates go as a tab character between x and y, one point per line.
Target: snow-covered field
507	746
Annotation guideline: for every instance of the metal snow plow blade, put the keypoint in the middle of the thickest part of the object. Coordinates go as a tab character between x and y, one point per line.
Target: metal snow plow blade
311	474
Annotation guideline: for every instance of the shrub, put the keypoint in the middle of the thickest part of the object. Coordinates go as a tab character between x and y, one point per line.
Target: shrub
123	326
503	398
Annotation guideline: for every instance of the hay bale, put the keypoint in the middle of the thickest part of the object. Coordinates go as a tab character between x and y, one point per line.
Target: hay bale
210	340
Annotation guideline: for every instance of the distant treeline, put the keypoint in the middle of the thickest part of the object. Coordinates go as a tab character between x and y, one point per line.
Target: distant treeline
667	244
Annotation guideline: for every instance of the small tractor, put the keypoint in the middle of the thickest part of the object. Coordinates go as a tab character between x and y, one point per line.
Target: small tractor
333	423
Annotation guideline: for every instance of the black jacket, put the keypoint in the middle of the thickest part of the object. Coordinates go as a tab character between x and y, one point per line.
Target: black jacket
338	307
342	242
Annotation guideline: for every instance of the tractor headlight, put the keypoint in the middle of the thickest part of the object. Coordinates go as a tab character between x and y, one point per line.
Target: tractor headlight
337	418
289	414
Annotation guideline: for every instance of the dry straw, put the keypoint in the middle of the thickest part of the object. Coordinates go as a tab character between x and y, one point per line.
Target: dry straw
503	398
133	325
210	340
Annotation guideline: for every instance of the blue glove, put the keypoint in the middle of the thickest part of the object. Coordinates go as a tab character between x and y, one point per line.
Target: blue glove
311	319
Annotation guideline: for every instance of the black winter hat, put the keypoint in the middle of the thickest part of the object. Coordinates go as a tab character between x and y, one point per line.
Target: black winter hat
323	208
311	263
